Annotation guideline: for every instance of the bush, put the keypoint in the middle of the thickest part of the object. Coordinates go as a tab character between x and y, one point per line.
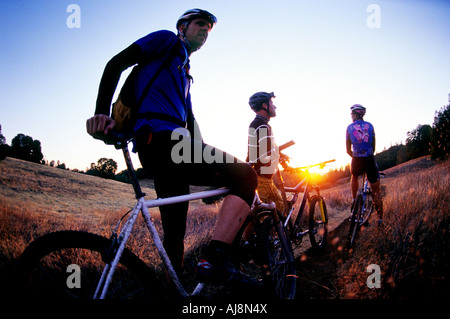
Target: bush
440	137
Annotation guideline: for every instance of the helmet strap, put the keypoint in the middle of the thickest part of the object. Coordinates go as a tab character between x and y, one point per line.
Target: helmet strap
185	39
267	109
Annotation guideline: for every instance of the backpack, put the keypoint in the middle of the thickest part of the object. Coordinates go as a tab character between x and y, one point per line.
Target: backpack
125	110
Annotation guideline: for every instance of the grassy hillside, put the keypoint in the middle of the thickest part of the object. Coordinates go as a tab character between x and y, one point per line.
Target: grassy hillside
37	199
412	248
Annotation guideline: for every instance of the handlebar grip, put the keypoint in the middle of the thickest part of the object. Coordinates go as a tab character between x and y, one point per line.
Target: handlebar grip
118	139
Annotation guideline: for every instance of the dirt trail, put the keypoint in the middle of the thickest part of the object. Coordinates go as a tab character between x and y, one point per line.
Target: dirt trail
317	270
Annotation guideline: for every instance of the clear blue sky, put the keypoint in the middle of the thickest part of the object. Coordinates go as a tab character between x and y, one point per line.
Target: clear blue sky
319	57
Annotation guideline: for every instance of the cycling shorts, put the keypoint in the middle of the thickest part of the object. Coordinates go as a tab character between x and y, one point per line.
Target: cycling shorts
173	177
204	166
366	165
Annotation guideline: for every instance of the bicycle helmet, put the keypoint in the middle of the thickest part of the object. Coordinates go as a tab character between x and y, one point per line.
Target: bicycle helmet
195	14
358	109
257	99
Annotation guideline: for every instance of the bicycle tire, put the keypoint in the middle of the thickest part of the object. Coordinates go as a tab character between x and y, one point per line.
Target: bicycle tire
368	207
278	263
245	254
355	222
44	270
318	224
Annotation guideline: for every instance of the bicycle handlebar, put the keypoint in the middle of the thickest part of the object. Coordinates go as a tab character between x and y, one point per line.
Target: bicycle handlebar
286	145
322	164
118	139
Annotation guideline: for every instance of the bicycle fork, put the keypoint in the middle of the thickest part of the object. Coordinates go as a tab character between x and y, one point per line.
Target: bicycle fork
284	240
110	267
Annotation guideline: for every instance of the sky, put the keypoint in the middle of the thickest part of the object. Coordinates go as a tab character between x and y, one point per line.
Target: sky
318	57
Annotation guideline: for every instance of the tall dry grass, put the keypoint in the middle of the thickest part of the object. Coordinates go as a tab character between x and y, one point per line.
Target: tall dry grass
412	247
37	199
19	226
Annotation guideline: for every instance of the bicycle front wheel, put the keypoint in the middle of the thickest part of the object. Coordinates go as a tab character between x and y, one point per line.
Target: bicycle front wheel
318	222
355	222
278	263
68	265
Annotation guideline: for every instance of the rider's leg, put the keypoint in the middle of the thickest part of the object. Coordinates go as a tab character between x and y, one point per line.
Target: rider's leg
232	214
373	175
223	171
354	183
378	200
356	168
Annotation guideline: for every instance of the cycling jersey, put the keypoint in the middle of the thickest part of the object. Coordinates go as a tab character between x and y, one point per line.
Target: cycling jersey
362	136
262	147
169	93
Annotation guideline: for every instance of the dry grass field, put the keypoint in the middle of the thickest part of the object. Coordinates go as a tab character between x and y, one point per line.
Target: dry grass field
37	199
412	248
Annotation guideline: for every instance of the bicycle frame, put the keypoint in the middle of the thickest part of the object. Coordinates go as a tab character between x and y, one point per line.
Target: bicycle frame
365	192
289	204
360	212
142	206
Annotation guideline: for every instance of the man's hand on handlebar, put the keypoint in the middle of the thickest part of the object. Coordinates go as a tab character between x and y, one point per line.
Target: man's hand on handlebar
284	160
99	126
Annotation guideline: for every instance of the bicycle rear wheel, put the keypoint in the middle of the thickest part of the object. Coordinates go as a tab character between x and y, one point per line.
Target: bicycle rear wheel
245	254
318	222
278	263
368	207
355	222
68	265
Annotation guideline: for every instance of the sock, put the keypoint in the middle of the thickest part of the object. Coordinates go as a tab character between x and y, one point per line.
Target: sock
218	253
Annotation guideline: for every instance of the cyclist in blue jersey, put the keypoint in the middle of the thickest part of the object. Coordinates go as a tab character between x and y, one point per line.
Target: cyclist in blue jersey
167	109
360	144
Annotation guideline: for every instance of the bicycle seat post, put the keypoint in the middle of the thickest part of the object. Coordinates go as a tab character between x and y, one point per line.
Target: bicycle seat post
134	180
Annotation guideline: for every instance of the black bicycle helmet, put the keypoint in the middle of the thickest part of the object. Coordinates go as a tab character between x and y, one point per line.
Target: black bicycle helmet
195	14
257	99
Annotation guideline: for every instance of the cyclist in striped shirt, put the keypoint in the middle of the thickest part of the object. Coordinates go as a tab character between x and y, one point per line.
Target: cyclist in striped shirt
262	148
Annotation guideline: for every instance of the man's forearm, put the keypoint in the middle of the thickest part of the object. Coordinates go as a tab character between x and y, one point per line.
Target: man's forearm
111	75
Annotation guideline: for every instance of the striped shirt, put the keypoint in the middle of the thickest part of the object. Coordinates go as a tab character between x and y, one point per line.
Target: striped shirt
262	148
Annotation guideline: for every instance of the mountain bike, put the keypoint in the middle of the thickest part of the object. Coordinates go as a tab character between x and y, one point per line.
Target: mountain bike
109	270
317	214
362	209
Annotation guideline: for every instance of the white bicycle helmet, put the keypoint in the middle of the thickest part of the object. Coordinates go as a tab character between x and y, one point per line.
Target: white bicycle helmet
358	109
195	14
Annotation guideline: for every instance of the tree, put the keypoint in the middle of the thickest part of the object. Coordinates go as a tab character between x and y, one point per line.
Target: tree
4	148
418	142
60	165
106	168
440	137
25	148
390	157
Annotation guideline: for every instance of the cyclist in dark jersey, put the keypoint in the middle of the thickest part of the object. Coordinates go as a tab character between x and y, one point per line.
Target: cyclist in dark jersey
170	96
360	144
263	149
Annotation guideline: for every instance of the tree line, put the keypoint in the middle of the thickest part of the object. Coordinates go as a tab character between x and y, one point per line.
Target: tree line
26	148
433	140
425	139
